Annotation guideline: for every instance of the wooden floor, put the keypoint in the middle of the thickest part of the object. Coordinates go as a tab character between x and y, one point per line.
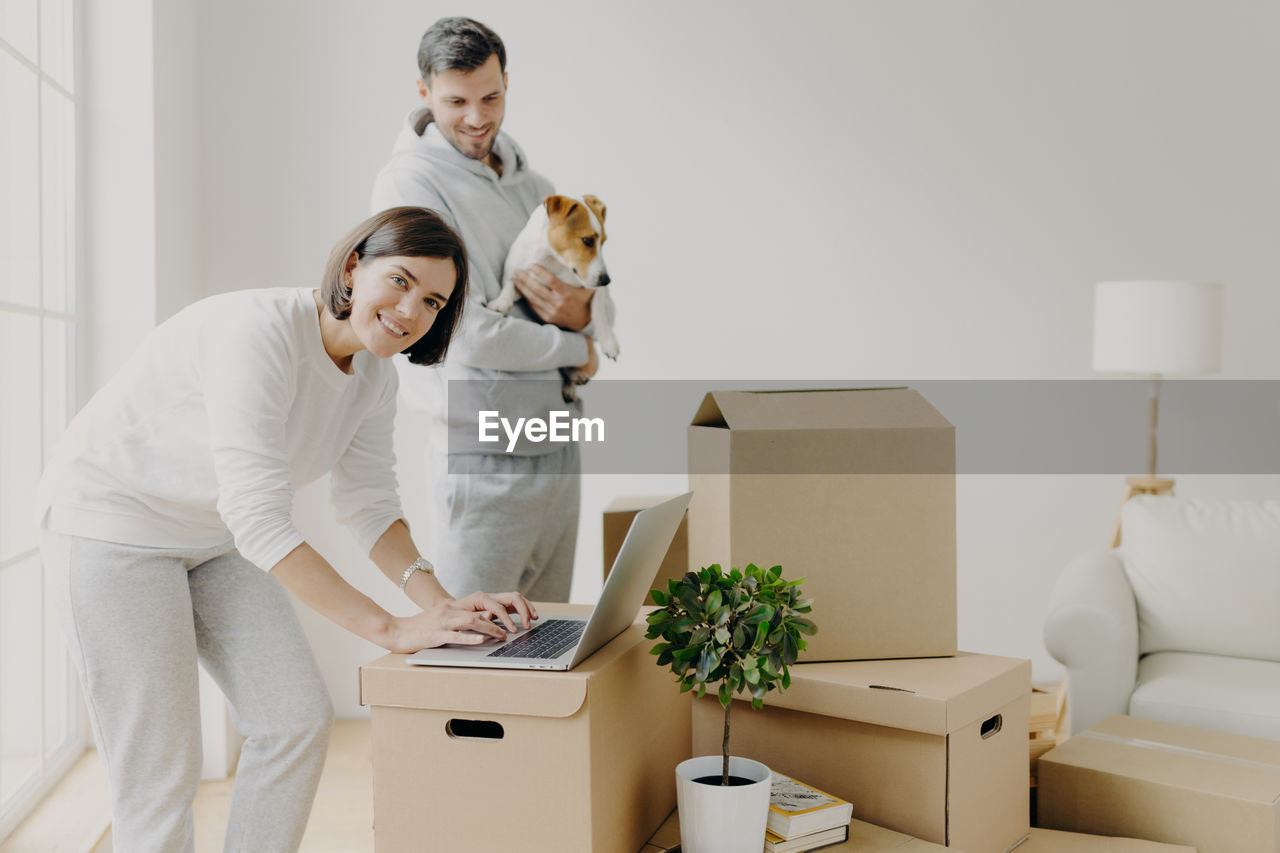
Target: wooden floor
75	817
342	817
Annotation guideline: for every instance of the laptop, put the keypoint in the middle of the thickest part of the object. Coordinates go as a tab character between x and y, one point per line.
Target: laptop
558	643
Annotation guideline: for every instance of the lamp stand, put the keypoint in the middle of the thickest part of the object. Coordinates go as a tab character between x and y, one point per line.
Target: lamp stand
1149	484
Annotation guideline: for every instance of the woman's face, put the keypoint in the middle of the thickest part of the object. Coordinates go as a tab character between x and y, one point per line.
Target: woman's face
394	300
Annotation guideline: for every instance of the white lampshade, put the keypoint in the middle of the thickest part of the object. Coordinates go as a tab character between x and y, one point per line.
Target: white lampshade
1165	328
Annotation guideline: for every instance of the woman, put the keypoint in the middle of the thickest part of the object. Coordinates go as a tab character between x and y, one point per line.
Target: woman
167	533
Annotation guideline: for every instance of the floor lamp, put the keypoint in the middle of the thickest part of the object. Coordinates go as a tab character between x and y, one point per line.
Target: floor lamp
1156	329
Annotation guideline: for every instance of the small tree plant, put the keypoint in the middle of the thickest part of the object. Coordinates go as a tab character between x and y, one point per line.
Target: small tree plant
737	632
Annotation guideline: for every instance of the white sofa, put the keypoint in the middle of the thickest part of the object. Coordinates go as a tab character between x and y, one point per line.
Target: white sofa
1181	623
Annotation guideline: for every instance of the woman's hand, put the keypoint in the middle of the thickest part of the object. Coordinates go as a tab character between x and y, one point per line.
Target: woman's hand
466	621
500	605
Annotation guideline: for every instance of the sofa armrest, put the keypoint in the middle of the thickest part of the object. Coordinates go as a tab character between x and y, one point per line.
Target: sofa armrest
1092	630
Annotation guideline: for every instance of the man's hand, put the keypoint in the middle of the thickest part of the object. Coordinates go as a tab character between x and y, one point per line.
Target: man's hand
554	301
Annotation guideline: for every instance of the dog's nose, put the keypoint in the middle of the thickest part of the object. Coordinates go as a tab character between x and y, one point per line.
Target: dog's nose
604	279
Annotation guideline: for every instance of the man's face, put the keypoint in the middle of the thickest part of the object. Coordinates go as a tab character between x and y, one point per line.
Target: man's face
468	106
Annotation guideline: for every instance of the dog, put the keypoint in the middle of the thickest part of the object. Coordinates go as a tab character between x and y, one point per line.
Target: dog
565	236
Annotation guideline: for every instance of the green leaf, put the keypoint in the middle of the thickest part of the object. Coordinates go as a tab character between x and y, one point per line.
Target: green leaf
786	679
659	597
659	648
700	635
686	686
713	602
806	625
726	695
775	572
688	597
789	650
752	676
762	634
702	690
705	662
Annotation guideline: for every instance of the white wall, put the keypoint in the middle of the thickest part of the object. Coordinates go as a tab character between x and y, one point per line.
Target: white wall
837	191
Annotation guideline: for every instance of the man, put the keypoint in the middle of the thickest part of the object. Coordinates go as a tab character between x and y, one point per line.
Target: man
499	517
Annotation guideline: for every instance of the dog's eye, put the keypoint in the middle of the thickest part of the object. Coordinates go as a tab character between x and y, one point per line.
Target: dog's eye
589	242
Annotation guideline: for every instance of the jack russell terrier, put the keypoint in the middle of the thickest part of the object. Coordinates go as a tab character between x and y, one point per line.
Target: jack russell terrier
565	236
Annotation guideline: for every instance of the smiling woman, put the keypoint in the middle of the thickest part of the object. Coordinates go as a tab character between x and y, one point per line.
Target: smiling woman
168	536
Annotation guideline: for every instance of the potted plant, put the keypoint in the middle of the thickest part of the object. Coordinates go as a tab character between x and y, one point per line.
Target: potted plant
731	633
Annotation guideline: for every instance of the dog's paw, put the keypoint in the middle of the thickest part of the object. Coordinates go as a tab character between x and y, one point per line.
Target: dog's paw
567	393
501	305
610	347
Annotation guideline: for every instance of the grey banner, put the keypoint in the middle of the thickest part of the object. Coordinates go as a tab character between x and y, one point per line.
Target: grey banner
1000	427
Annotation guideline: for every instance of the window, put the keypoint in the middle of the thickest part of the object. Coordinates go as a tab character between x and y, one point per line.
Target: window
40	717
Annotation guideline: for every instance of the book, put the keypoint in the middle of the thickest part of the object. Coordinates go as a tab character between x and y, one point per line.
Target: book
798	809
814	840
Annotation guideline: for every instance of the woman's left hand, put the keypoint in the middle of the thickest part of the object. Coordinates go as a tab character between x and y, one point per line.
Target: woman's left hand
501	605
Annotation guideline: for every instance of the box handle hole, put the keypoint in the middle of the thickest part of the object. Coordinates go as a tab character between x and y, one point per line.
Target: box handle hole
991	726
474	729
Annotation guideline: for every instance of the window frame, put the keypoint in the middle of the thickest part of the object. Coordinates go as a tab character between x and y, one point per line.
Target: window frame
55	759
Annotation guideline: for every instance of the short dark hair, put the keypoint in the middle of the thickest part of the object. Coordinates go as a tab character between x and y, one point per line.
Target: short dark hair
458	44
412	232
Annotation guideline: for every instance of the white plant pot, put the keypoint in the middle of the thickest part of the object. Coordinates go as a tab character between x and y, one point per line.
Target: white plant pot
719	819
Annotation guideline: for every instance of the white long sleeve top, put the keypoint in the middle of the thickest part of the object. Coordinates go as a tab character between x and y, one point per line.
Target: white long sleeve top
224	411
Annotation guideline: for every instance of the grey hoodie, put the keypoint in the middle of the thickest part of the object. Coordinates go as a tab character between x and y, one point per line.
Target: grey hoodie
488	211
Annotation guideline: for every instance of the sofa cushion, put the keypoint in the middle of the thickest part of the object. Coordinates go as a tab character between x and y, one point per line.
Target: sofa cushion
1205	574
1209	692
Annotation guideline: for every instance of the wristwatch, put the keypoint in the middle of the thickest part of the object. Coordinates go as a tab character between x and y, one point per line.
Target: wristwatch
422	564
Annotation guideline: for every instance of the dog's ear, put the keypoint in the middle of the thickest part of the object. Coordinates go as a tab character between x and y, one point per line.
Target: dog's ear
558	205
596	205
598	208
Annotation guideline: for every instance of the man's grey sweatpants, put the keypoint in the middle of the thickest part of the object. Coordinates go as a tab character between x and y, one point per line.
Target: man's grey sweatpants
504	522
137	619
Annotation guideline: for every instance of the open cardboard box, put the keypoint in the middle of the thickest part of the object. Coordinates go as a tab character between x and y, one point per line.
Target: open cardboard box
1217	792
935	748
853	490
494	760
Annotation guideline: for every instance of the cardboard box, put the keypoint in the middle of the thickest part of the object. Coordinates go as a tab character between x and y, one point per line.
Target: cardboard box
935	748
854	491
490	760
863	837
617	521
1217	792
1054	841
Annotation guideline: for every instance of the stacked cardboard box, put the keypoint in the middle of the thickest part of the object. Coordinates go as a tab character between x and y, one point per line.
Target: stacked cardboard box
854	490
1215	791
930	747
454	748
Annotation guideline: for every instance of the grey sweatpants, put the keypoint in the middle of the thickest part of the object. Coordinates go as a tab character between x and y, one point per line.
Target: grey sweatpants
506	523
137	619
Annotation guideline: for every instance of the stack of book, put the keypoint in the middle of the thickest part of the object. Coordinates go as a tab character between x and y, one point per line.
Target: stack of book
803	818
1048	720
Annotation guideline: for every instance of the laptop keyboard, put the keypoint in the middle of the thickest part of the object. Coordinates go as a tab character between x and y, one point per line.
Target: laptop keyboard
546	640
